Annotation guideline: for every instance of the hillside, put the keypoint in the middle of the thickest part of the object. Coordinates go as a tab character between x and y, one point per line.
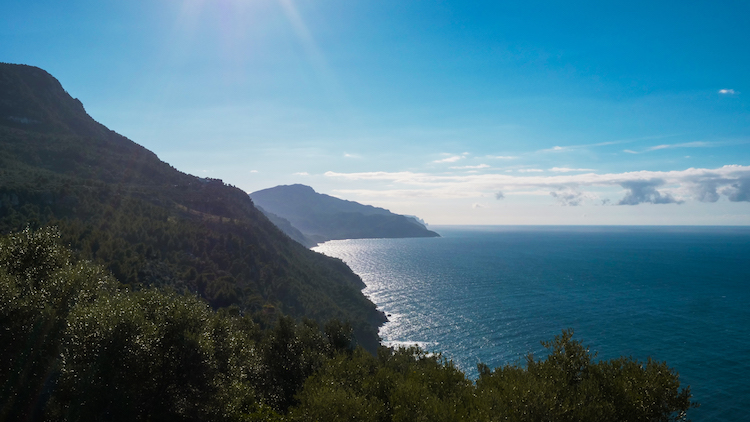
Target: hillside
117	204
285	226
322	217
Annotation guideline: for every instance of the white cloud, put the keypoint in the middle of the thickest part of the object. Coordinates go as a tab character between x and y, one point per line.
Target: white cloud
568	197
477	205
347	155
602	144
530	170
567	170
437	193
644	191
302	173
253	171
451	159
557	149
739	191
656	187
727	92
658	147
480	166
683	145
398	177
697	144
501	157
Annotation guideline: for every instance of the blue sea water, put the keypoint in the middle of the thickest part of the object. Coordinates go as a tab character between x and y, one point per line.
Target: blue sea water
492	293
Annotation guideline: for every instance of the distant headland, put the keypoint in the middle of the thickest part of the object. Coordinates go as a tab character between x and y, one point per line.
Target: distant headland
311	218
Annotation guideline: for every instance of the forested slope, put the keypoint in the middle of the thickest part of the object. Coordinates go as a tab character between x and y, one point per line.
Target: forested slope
75	345
117	204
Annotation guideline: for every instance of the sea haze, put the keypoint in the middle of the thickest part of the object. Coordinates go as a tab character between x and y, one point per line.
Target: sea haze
492	293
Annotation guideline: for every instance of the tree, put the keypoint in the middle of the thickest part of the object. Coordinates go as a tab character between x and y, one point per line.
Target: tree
39	286
569	386
76	346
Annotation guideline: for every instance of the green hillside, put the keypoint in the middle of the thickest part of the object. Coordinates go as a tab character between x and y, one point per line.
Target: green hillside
117	204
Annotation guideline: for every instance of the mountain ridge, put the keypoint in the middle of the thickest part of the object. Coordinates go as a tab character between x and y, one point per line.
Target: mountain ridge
320	217
116	203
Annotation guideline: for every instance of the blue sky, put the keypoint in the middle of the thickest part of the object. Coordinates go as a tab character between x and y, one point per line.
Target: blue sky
458	112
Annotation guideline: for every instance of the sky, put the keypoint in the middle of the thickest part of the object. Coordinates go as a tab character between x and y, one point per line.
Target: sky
534	112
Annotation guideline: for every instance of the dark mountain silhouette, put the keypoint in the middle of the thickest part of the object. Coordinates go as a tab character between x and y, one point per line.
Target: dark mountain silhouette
116	203
322	217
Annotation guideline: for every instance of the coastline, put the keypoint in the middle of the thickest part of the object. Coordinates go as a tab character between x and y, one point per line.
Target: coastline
492	293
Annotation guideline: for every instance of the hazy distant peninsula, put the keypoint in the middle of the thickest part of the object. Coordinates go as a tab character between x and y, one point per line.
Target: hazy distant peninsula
299	210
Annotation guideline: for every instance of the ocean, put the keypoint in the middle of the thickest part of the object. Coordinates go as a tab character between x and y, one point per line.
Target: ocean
492	293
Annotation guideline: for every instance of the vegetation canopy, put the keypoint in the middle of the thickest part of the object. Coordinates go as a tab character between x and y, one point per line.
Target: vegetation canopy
75	345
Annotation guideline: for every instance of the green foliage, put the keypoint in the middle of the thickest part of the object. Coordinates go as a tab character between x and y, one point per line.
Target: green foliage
148	355
77	346
339	336
397	385
39	286
409	385
569	386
